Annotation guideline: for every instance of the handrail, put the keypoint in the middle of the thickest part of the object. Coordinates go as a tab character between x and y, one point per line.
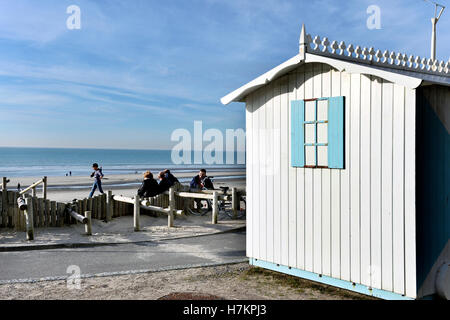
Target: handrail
34	185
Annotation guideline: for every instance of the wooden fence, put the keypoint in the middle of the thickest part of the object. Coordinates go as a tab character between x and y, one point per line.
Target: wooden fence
46	213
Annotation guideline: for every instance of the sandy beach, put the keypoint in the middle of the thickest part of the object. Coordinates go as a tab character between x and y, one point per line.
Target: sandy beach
65	189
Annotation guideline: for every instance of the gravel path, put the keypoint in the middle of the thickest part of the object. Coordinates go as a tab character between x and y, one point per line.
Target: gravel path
231	282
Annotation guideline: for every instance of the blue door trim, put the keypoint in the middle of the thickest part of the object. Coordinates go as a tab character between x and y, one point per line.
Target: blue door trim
382	294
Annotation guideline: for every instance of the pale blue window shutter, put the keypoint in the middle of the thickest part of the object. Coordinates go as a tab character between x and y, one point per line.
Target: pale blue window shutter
336	131
298	133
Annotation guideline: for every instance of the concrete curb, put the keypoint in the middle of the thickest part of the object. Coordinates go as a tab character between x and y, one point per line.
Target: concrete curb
123	273
31	247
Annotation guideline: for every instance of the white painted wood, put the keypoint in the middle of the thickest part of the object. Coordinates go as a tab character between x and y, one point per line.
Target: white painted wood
277	178
326	186
292	181
263	172
309	185
355	178
257	176
386	187
249	175
375	183
317	189
410	193
345	183
366	93
335	196
398	188
270	138
284	171
300	232
334	222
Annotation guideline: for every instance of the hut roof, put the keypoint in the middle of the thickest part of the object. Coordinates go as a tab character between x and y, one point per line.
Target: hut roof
410	71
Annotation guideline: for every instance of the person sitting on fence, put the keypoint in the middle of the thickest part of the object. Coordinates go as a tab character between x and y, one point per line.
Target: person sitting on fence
201	181
149	187
171	178
98	176
164	183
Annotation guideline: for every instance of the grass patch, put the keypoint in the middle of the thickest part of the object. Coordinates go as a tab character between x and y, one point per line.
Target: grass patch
298	284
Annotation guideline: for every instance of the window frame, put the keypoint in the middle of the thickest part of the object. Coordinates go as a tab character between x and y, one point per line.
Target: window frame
316	122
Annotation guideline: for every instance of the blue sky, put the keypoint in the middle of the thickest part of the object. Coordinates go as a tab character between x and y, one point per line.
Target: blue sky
139	69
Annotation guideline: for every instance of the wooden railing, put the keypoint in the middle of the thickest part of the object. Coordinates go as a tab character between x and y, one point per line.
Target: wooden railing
43	181
25	212
213	195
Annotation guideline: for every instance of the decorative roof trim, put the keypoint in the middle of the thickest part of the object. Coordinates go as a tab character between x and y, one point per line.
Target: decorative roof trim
405	80
399	68
352	67
386	59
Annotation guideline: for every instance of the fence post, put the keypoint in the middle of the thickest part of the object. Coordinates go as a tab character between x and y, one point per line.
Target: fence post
41	212
171	207
215	209
137	213
33	192
44	188
234	202
4	212
88	225
29	218
109	206
53	213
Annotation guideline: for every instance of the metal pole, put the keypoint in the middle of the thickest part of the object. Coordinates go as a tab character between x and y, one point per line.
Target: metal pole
433	38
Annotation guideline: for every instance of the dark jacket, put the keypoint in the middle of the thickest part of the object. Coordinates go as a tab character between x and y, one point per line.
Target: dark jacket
164	185
196	183
171	178
148	189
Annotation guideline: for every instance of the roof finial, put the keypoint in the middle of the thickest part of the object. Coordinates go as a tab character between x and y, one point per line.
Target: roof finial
302	43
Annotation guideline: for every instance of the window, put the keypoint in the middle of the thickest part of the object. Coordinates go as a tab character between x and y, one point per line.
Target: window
318	133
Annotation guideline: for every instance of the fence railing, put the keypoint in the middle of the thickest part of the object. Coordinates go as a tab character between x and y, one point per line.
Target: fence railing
22	212
43	181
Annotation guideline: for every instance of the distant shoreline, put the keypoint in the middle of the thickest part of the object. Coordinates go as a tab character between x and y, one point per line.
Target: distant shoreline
78	187
13	172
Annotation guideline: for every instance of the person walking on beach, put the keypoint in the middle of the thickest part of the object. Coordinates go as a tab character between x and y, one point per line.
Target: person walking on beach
98	176
149	187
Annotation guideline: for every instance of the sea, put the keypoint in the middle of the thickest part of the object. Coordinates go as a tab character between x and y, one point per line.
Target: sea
36	162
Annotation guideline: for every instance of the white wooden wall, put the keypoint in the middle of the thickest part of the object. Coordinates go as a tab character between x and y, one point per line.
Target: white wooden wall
356	224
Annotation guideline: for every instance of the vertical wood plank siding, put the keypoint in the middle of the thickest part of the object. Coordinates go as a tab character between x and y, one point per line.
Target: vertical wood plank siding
355	224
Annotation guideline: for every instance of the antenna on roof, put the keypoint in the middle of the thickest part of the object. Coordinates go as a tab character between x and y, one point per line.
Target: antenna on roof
434	21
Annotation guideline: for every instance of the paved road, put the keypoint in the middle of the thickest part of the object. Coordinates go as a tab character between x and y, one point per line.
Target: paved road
220	248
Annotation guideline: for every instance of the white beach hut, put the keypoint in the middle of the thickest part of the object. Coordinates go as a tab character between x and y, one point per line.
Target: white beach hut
348	169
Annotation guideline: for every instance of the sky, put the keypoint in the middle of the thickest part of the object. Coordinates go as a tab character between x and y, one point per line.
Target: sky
139	69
